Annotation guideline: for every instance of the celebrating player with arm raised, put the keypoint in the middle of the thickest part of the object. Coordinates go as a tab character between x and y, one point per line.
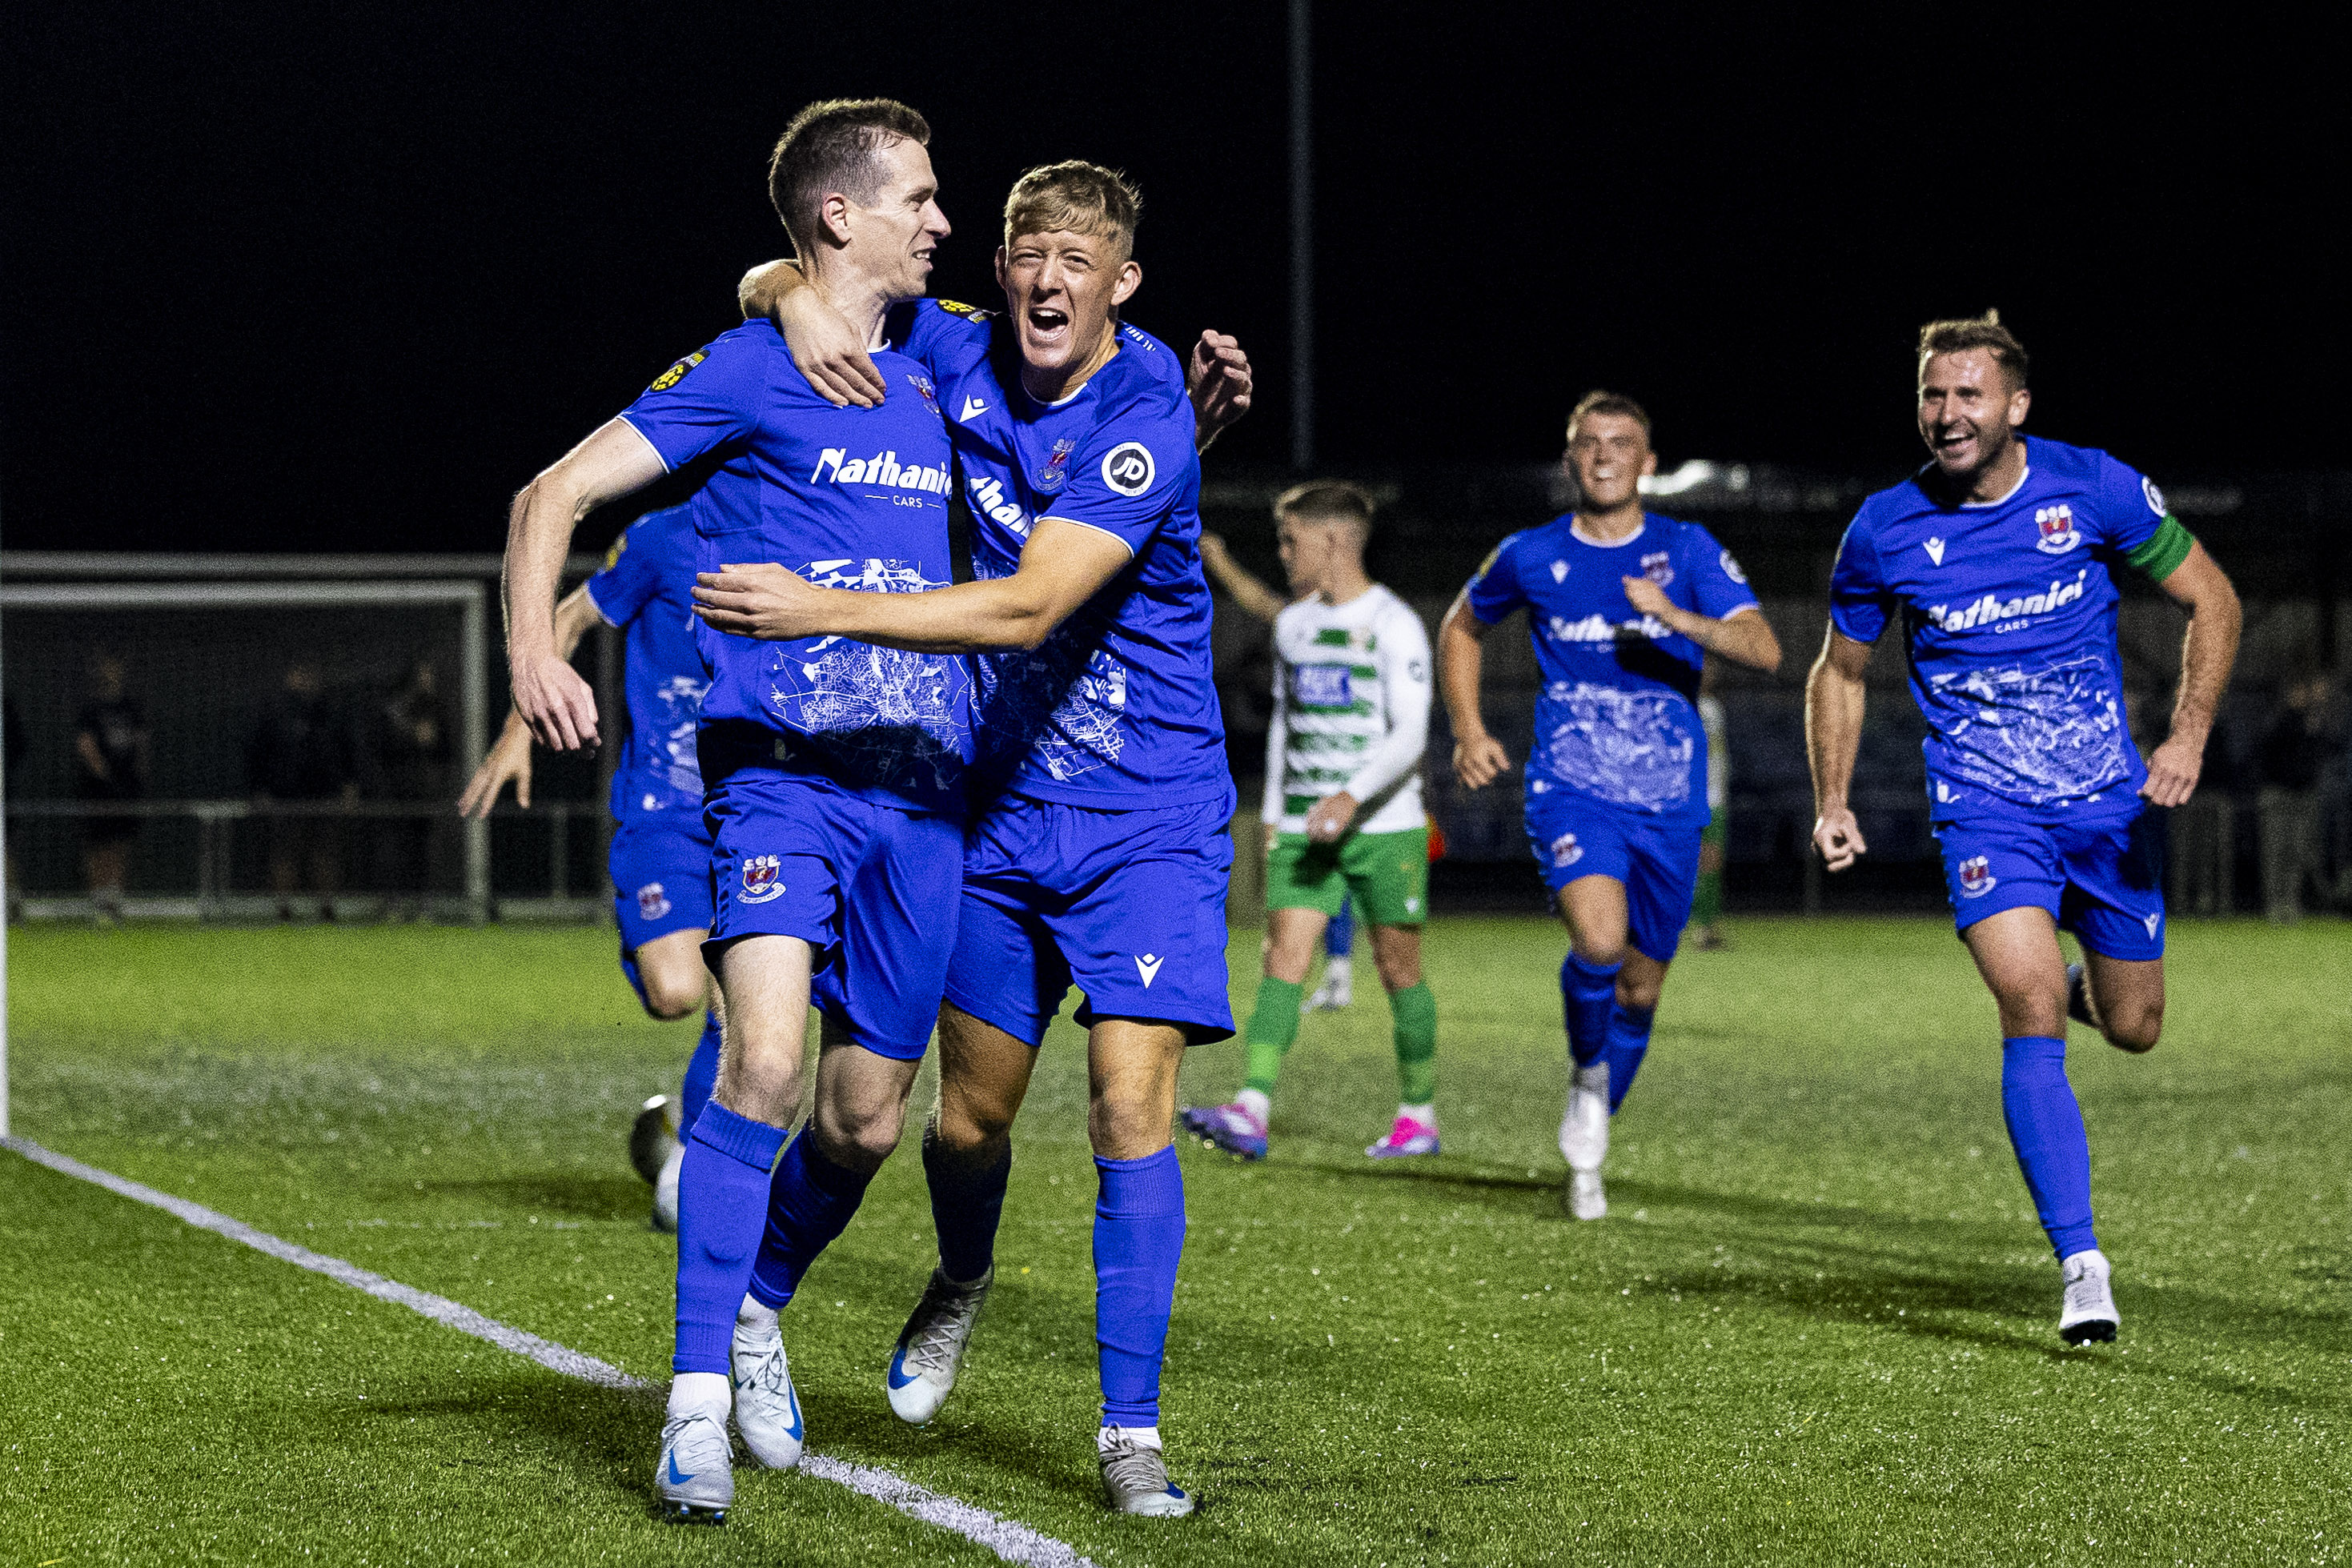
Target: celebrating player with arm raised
1343	810
834	770
2001	558
660	859
1101	854
1624	606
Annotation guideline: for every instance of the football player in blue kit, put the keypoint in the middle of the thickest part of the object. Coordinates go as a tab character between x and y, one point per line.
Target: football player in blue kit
1098	855
832	771
1624	606
2001	558
660	859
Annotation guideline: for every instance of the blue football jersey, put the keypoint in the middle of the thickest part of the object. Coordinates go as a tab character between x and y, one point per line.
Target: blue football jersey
849	497
645	589
2009	618
1616	720
1118	708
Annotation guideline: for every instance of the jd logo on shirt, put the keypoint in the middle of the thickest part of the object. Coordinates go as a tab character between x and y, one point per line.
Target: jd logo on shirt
1129	469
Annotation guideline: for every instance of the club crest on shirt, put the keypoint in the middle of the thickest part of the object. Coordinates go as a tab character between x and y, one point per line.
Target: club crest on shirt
652	902
2058	532
1658	566
1566	851
930	395
1976	877
1056	472
760	879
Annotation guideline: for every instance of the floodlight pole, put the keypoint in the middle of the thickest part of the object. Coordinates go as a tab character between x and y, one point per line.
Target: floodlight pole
1302	237
4	953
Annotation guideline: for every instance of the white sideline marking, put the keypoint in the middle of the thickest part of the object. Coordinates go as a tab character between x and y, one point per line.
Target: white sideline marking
1011	1540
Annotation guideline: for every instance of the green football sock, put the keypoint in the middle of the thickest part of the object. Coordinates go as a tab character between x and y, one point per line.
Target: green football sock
1414	1012
1272	1028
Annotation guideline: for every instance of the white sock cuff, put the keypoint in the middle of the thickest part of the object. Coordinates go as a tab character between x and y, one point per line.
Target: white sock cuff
700	1393
1141	1437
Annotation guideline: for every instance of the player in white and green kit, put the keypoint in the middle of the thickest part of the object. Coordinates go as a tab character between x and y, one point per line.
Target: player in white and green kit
1343	812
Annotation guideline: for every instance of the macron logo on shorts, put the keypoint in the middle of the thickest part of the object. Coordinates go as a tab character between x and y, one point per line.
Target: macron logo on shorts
2152	921
761	882
1148	965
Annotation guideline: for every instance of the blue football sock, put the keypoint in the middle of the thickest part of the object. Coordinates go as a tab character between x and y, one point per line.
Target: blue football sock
2045	1127
809	1203
1588	995
1138	1237
1629	1041
701	1075
1340	937
719	1186
967	1200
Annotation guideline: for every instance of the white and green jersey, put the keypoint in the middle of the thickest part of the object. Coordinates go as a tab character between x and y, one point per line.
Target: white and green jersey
1351	687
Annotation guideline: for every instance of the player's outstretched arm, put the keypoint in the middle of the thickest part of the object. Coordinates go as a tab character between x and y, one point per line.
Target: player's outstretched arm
508	761
1241	585
1744	636
1063	566
824	347
553	700
2200	586
1833	705
1478	757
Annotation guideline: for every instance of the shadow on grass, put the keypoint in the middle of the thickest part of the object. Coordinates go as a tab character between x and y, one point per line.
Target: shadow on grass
570	1196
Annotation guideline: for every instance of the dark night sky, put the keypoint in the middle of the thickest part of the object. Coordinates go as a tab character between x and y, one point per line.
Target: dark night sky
300	277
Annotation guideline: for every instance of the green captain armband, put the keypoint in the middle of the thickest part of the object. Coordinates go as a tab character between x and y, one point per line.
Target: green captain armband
2165	550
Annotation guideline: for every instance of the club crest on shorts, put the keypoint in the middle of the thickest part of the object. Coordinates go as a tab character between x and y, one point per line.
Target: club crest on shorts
2058	532
1566	851
1976	877
652	902
760	879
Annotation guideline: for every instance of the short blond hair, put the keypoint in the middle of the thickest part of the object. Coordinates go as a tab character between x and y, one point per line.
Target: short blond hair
1075	197
1986	332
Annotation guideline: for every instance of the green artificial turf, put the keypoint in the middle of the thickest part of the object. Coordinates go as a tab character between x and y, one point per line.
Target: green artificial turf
1817	1326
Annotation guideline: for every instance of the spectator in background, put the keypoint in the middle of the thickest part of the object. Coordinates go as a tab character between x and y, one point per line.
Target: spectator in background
110	762
2204	833
409	760
1706	899
2288	760
301	752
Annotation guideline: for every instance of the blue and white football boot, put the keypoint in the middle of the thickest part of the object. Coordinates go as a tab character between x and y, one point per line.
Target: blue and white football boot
694	1475
1584	1140
1135	1474
930	1347
767	1407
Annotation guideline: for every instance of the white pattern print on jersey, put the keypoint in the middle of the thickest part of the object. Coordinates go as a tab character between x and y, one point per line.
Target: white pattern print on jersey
1352	693
1629	748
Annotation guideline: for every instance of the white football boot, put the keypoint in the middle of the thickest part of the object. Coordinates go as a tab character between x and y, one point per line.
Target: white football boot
2090	1310
930	1347
1337	989
694	1475
666	1191
1584	1139
1135	1474
767	1407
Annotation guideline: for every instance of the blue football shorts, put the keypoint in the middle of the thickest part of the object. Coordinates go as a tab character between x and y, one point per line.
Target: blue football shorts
2102	878
1128	905
871	887
660	866
1574	836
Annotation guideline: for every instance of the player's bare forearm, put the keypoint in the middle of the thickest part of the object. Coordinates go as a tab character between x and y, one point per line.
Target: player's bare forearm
1241	585
1744	636
2208	652
824	347
763	287
1063	566
612	463
1478	757
1834	700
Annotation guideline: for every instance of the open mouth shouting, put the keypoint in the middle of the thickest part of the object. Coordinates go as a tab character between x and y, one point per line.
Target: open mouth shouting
1047	328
